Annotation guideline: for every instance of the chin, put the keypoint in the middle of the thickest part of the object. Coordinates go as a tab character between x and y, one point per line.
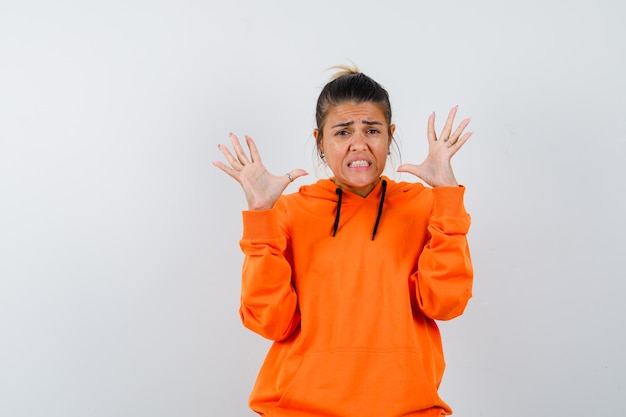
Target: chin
362	182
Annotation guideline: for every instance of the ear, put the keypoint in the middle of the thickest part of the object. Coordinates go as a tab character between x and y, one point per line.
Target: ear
316	134
392	129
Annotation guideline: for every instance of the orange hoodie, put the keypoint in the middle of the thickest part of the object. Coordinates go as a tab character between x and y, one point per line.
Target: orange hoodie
353	315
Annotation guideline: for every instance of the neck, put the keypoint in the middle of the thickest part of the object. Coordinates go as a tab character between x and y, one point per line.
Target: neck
360	191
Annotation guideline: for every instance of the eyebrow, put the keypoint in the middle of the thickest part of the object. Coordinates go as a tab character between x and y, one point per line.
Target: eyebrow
351	122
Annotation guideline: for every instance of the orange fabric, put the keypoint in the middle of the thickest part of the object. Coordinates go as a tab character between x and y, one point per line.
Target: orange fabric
353	319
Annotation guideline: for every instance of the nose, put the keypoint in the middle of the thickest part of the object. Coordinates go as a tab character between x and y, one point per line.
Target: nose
358	142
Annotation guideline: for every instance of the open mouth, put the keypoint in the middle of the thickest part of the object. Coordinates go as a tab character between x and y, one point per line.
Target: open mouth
359	163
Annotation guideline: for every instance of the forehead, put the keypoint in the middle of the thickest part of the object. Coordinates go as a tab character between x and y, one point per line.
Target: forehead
352	112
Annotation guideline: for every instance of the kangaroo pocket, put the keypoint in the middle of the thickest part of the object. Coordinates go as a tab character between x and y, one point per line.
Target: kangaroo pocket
361	382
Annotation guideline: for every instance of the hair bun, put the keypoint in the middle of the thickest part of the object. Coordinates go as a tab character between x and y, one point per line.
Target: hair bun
344	70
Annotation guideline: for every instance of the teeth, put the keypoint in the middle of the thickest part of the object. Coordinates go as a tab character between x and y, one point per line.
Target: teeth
359	164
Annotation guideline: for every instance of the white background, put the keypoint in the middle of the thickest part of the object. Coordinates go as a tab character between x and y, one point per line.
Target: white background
119	256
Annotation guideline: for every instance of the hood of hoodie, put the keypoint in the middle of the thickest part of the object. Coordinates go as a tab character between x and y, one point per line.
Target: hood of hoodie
347	202
325	188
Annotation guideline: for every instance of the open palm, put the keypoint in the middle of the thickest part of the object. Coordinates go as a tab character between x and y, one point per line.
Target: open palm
436	170
260	187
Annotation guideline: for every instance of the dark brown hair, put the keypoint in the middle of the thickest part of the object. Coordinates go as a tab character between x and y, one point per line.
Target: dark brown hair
350	85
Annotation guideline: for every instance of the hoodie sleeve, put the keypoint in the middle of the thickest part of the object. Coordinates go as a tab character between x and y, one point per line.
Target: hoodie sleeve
268	300
443	282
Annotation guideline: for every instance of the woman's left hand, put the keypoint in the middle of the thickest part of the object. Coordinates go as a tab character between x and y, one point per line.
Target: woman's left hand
436	170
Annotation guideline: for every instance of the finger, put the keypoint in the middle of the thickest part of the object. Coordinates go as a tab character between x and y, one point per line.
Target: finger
430	130
459	131
411	168
229	157
459	143
255	156
295	174
447	128
241	155
231	172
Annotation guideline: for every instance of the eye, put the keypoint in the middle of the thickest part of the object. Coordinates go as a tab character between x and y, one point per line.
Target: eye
342	132
373	131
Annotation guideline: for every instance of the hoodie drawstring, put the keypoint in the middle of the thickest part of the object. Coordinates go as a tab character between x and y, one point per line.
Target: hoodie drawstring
339	193
380	208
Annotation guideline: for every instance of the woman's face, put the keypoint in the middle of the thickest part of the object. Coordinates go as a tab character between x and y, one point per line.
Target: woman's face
356	142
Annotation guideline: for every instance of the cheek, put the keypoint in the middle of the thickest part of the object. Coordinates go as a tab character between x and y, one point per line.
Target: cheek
382	149
336	149
333	157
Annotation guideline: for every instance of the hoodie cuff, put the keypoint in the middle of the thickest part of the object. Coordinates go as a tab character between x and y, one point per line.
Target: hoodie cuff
260	224
448	201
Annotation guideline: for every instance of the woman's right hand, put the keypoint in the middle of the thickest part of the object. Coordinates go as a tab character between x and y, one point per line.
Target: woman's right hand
261	188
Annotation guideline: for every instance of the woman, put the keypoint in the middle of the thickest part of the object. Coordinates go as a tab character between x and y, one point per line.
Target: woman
348	275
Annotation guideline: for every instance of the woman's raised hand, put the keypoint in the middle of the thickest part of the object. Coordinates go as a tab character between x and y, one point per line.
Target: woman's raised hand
261	188
436	170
